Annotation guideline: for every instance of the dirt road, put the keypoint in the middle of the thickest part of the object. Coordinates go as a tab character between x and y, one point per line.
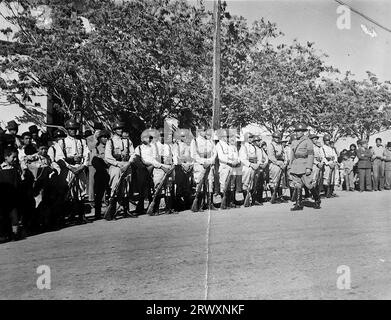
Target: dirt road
254	253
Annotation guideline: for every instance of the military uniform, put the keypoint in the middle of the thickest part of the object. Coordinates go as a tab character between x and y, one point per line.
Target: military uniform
149	155
183	167
330	165
302	161
118	154
278	161
318	161
75	153
229	160
252	159
203	152
166	153
364	156
101	176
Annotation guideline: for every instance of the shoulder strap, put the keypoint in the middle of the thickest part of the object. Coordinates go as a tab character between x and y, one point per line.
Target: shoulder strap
63	148
294	152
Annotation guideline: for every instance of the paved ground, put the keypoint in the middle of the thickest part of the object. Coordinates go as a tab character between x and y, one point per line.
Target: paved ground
258	253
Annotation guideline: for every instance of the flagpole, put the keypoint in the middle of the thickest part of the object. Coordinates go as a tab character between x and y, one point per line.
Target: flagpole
216	66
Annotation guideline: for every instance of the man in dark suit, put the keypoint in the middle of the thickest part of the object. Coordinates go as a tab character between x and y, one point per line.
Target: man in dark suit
364	156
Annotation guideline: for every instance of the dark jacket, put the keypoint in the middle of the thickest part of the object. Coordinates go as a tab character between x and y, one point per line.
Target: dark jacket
364	158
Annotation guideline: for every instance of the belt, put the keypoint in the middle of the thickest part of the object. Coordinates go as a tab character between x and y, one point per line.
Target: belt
280	158
253	160
302	156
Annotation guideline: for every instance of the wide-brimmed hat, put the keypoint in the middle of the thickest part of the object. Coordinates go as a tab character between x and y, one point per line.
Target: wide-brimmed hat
12	125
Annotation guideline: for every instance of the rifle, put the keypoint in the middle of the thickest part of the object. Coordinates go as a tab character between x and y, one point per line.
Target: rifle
274	195
226	186
320	179
159	190
195	206
111	208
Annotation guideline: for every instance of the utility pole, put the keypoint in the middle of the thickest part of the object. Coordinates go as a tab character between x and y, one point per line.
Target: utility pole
216	66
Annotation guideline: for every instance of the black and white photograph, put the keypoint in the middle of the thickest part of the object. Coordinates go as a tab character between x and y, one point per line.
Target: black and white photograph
195	150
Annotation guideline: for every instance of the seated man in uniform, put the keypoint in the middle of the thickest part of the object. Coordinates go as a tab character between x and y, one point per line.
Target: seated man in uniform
183	167
120	155
148	154
203	153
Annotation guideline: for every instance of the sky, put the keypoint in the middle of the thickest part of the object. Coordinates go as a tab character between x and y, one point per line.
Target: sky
316	21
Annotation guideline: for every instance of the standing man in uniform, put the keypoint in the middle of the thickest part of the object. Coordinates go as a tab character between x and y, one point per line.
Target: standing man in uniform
364	164
278	162
318	161
203	152
330	162
378	165
302	161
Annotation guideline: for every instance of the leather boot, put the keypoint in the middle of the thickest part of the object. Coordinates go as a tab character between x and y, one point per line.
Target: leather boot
328	191
210	201
98	211
291	192
224	200
298	197
315	194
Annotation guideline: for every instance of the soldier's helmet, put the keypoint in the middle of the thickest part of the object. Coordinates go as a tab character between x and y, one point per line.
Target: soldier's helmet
248	135
256	137
313	136
326	137
72	124
292	137
301	127
146	134
221	133
277	134
118	125
59	134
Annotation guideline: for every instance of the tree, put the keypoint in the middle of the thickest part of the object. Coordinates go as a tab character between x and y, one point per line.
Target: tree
282	85
353	108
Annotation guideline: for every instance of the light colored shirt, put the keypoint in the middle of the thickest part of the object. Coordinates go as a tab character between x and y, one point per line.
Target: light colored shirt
75	147
378	151
227	153
329	152
275	152
203	150
148	154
